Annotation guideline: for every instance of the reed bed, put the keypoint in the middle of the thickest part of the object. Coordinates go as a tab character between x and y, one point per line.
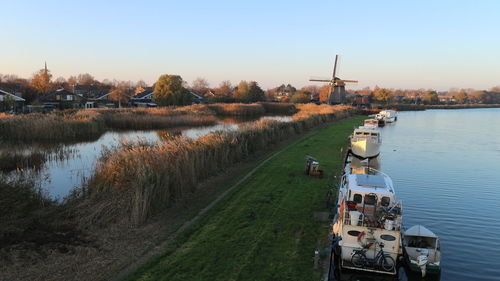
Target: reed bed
31	157
11	160
279	108
128	121
91	123
48	128
138	181
237	109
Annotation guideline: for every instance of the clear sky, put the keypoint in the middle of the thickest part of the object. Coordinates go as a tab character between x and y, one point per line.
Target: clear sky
399	44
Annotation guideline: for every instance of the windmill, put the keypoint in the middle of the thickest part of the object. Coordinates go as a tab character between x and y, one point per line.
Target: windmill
337	86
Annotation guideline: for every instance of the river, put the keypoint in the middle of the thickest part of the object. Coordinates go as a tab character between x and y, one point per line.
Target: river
445	165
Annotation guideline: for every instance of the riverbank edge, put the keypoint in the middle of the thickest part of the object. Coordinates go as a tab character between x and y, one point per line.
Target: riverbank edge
421	107
230	193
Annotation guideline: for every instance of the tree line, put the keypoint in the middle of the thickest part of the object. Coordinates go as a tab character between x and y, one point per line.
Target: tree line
173	90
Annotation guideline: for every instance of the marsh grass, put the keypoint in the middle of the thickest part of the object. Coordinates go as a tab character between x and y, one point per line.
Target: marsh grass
237	109
32	157
138	181
90	124
279	108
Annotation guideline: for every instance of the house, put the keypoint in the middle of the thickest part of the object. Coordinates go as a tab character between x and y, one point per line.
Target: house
358	100
209	94
196	98
62	99
143	99
17	106
91	91
446	99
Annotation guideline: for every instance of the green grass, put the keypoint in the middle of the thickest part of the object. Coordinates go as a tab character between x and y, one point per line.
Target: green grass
264	230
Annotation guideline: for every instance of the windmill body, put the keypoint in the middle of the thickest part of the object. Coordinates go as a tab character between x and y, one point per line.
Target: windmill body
337	86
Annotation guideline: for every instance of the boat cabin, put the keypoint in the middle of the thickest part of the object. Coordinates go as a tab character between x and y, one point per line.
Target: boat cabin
371	123
371	198
363	133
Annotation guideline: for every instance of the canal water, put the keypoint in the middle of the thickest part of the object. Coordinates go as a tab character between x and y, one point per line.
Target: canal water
445	165
68	166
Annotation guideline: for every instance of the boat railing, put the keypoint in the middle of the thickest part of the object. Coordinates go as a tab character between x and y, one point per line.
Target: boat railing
383	218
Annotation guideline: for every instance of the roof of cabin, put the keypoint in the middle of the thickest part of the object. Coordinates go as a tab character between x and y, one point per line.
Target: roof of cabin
371	183
419	230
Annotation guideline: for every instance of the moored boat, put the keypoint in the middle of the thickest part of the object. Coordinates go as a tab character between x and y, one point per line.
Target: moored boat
365	142
381	119
421	250
389	116
371	123
368	223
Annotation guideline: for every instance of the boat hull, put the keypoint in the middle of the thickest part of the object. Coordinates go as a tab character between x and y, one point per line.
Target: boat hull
431	269
349	243
365	148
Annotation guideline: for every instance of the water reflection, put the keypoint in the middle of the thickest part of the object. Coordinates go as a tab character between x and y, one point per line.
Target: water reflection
360	166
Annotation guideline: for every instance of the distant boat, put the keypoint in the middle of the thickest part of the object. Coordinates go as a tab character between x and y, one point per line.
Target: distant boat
388	116
421	250
365	142
373	123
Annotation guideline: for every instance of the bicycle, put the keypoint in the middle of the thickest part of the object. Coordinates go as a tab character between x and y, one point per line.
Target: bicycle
383	260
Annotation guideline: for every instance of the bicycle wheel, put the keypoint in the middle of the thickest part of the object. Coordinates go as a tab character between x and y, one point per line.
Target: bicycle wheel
387	263
357	260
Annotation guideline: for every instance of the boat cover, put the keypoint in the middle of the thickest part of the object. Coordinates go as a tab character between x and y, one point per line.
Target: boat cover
419	230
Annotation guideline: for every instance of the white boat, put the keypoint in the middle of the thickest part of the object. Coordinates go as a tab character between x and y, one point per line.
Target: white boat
422	251
388	116
365	142
371	123
368	221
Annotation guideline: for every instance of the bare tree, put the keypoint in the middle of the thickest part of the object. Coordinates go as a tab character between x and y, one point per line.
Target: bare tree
200	86
141	84
225	89
85	79
72	80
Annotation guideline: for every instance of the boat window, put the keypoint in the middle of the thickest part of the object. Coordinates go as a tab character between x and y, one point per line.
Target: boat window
387	237
353	232
357	198
385	201
370	199
359	133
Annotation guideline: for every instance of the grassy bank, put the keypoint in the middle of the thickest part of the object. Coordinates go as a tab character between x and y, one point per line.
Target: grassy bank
137	181
264	230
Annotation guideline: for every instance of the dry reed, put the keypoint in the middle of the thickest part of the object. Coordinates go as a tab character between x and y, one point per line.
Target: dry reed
138	181
240	109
